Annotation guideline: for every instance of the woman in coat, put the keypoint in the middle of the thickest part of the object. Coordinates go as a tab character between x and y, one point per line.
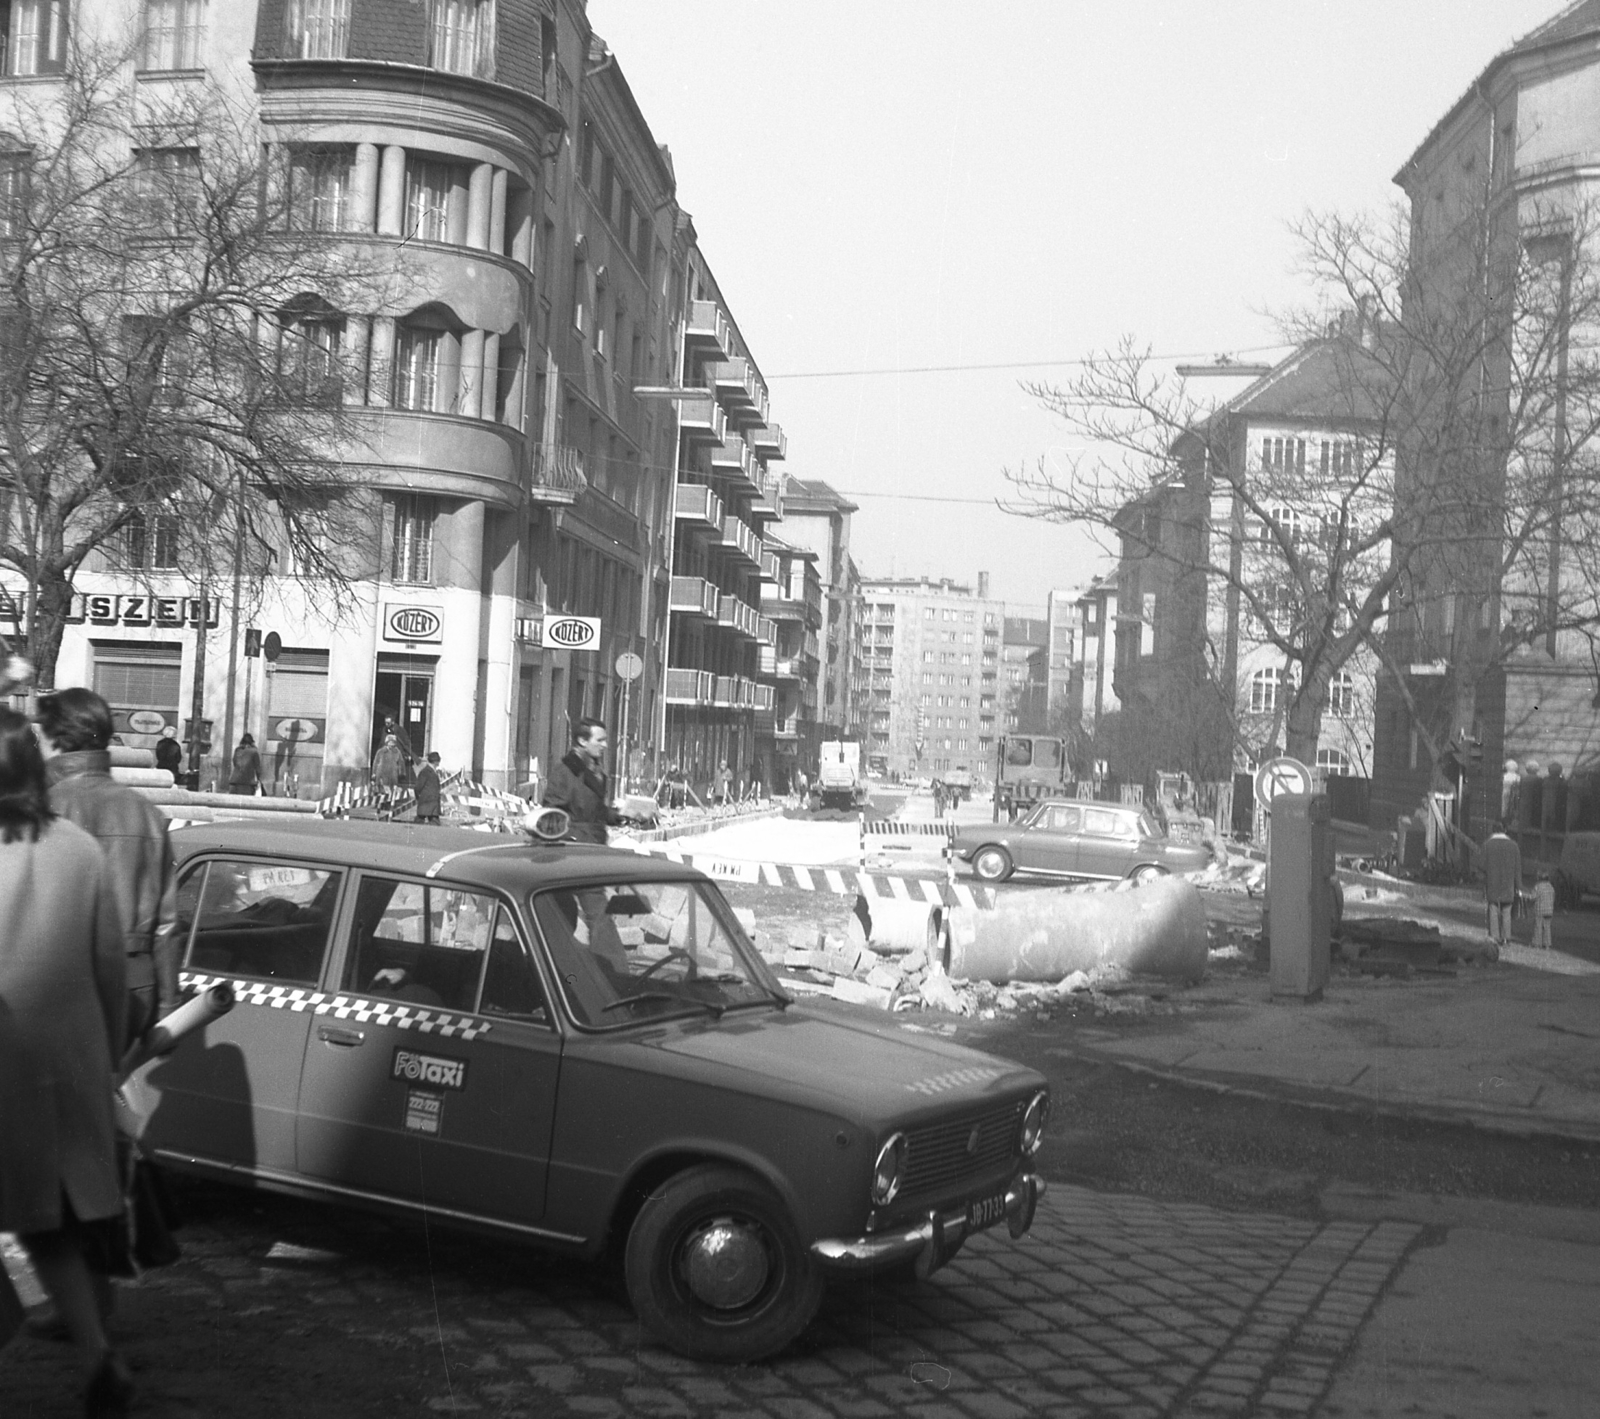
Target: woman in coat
63	1008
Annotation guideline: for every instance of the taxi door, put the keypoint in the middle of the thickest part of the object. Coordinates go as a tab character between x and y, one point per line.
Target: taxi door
430	1074
227	1094
1051	844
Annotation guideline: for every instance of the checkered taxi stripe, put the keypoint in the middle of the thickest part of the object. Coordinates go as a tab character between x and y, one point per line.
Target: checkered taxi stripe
345	1007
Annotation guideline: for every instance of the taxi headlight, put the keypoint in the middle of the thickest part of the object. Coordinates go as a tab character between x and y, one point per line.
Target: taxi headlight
888	1170
1034	1119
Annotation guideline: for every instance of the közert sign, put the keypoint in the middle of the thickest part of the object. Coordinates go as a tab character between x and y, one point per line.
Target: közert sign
561	632
413	623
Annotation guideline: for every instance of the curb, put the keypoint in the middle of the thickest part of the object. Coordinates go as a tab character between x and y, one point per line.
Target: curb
1336	1100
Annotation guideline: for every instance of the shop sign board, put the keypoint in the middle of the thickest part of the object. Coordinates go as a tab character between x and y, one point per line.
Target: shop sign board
561	632
298	729
413	623
105	609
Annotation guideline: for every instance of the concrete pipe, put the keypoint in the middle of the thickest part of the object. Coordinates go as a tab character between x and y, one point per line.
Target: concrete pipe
893	927
142	778
175	800
1158	930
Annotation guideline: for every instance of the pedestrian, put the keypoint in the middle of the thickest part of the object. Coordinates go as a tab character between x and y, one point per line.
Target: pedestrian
246	774
1544	909
169	753
388	766
427	789
678	787
799	785
724	784
579	785
938	799
1502	880
75	728
63	1018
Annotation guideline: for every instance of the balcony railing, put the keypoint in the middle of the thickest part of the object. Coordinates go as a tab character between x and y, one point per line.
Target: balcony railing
695	596
769	493
737	535
769	442
557	472
767	630
733	612
735	383
707	329
732	459
769	567
702	421
690	687
697	503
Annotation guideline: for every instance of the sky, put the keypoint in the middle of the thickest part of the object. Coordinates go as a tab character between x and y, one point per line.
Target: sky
889	186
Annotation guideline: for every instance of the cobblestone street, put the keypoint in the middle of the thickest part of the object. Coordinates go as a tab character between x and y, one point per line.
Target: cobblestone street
1114	1305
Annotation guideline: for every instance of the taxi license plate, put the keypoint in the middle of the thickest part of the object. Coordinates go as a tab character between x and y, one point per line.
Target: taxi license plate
986	1211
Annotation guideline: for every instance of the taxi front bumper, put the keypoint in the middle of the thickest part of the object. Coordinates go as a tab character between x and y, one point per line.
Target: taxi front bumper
931	1242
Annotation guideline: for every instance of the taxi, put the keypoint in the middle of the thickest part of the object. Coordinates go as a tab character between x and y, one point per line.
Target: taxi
579	1047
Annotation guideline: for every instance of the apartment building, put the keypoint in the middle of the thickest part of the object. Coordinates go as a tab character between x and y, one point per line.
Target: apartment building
931	656
791	599
494	153
816	516
1025	673
1092	704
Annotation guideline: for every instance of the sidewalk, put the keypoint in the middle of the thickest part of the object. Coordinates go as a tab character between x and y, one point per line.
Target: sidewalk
1506	1046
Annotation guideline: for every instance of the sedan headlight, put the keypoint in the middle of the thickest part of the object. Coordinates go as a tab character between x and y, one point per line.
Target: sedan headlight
1034	1119
888	1170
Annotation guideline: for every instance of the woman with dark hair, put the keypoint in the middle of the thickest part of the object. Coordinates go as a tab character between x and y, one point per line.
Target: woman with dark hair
62	1015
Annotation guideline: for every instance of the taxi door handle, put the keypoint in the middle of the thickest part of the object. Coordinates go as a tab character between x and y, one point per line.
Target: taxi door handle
333	1035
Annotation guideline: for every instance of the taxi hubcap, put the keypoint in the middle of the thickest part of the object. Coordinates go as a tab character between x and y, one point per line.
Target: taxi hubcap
725	1264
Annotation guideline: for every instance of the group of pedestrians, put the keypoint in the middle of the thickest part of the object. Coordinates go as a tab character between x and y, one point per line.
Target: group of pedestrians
1503	894
88	964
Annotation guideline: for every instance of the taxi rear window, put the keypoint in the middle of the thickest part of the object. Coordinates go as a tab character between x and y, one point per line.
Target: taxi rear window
264	919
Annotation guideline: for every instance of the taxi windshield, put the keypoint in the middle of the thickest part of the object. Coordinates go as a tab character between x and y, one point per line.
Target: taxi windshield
629	951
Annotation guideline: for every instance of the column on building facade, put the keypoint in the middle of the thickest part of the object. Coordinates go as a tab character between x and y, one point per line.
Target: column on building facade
519	216
358	356
469	397
497	649
364	189
480	189
380	361
497	212
392	191
489	378
455	719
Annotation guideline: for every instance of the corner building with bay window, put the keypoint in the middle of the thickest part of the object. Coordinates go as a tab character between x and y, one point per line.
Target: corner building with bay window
491	153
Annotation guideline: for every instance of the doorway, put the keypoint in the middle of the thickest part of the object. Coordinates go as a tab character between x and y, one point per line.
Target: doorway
402	702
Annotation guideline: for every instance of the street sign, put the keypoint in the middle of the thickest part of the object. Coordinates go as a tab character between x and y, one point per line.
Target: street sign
272	646
1281	775
629	666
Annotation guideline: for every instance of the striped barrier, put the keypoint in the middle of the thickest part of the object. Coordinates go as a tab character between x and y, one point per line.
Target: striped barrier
846	881
889	828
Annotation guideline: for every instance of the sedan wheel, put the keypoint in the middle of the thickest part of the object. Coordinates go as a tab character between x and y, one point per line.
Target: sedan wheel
993	864
716	1269
1147	874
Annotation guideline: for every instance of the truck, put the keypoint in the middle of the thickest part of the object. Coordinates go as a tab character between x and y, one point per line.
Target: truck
840	782
957	784
1028	767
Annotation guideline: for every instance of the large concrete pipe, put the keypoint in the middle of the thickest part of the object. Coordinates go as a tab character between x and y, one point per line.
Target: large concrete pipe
1158	930
893	927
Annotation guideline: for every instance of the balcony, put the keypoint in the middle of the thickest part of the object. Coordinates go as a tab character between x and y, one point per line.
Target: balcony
766	630
764	698
769	443
737	390
732	459
769	493
737	536
726	694
702	422
695	596
699	506
769	567
690	687
557	473
767	661
786	728
733	613
783	608
707	331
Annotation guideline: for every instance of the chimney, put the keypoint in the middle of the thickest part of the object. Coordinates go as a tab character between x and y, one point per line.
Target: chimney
983	586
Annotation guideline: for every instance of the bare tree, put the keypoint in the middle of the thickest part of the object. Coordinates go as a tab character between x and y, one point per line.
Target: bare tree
1455	490
174	399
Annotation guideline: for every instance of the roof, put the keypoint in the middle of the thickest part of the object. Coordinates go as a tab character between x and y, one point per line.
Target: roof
817	490
1579	20
1314	382
451	854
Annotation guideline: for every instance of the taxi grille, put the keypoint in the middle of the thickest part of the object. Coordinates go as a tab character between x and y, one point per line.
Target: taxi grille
938	1155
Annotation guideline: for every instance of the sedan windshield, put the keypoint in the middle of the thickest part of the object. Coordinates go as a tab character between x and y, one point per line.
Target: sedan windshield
640	950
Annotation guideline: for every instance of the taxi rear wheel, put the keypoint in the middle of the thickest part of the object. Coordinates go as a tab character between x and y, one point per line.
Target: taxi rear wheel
716	1269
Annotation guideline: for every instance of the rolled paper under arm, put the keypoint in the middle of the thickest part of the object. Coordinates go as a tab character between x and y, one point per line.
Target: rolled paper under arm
194	1014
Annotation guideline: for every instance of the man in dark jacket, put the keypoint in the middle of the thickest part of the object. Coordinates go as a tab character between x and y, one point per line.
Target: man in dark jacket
427	789
579	784
76	725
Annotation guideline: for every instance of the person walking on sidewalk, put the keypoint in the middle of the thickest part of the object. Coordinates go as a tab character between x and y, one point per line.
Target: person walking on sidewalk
1502	880
578	784
63	1020
427	789
1544	909
246	775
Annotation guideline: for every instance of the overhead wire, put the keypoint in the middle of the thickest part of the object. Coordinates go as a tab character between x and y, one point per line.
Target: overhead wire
1003	365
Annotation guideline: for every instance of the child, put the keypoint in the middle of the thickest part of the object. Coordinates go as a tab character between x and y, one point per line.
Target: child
1544	907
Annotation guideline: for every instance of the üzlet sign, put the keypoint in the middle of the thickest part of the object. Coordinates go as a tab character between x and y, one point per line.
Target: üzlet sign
413	623
571	632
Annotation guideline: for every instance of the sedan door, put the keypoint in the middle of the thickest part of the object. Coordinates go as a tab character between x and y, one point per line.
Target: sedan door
1110	842
430	1078
226	1095
1052	842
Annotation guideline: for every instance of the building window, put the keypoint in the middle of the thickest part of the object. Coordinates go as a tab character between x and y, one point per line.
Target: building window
421	359
318	29
1340	460
1291	521
166	188
36	37
462	37
320	182
150	543
1333	761
172	34
1283	455
1264	686
14	193
428	188
413	538
308	354
1341	693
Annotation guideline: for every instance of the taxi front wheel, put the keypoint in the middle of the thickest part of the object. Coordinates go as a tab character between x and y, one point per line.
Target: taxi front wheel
716	1270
